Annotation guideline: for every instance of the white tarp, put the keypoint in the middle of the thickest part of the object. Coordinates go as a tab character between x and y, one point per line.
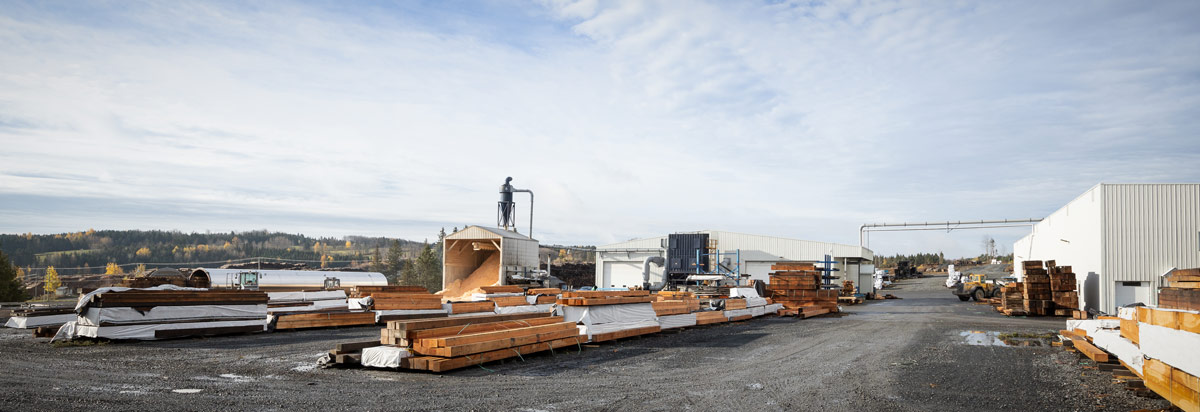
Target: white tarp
1129	313
752	302
594	329
758	311
677	321
360	303
163	314
146	332
87	298
1093	325
743	292
508	310
380	313
600	314
1172	346
1112	342
773	308
738	312
316	306
278	297
384	356
66	332
26	322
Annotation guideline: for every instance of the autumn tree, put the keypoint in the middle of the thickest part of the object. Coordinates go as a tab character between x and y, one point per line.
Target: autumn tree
52	281
113	269
10	281
143	252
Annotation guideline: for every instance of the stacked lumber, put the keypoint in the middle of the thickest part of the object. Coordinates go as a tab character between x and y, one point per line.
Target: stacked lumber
744	303
670	307
797	286
1183	291
469	308
1012	300
1155	343
406	301
847	288
711	317
1063	290
1036	292
34	317
543	296
439	345
306	320
609	315
365	291
688	298
166	311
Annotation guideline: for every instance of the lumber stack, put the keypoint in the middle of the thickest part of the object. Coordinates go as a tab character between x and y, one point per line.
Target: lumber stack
1036	292
406	301
610	315
439	345
847	288
711	317
1183	292
167	312
1012	301
797	287
306	320
34	317
543	296
469	308
1063	290
1155	343
365	291
321	301
744	303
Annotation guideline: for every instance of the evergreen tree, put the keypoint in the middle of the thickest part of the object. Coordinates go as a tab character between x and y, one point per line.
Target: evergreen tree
10	282
428	270
377	261
393	264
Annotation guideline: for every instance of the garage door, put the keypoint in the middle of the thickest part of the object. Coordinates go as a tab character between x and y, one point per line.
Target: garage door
758	270
622	274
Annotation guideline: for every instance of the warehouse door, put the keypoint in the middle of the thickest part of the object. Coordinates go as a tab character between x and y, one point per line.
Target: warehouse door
1132	292
758	270
622	274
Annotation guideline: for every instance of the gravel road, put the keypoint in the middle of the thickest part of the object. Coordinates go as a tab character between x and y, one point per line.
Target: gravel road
906	354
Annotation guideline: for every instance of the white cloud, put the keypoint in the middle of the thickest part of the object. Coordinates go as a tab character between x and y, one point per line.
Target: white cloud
627	118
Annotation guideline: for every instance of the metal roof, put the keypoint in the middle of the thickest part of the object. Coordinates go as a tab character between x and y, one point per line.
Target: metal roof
480	232
768	244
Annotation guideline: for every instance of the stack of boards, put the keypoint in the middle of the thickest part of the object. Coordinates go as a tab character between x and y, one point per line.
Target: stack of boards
1157	344
400	302
798	287
166	312
444	344
1047	290
44	321
302	310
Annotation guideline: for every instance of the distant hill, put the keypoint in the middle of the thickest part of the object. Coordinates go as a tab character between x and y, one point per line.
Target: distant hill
88	252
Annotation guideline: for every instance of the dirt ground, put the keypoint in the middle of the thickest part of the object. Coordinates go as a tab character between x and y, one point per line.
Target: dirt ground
909	354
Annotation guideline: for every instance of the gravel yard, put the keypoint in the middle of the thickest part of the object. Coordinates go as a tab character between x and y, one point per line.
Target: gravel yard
927	351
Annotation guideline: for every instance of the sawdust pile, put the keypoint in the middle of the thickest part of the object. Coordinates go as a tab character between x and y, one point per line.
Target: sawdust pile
487	274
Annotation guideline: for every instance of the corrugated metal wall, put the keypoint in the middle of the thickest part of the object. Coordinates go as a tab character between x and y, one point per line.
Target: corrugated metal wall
1149	229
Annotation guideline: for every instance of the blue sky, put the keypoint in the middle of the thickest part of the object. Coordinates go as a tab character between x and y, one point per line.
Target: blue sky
627	119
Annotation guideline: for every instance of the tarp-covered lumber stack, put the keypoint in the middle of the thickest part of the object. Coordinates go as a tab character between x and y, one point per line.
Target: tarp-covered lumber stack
609	315
34	317
166	311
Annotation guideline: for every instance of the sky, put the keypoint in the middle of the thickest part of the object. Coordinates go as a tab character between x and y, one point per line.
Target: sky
626	119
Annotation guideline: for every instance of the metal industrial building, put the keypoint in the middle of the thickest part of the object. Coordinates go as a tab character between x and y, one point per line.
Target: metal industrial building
1119	239
621	264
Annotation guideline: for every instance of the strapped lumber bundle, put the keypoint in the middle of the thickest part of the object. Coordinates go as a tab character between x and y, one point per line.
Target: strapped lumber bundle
305	320
440	345
166	311
322	309
798	287
34	317
610	315
1038	297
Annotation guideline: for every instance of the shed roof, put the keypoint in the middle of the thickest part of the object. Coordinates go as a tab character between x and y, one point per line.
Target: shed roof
480	232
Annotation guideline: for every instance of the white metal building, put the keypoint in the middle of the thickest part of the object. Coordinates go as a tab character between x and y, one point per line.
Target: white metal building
1119	239
466	250
621	264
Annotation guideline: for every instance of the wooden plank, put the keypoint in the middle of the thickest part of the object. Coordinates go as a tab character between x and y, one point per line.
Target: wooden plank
474	328
459	321
457	340
813	312
407	304
506	301
384	319
355	346
487	346
741	318
502	289
1091	351
472	307
733	304
601	337
435	364
543	291
605	301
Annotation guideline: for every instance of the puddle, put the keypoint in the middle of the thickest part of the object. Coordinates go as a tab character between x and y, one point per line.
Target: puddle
186	390
990	338
237	378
